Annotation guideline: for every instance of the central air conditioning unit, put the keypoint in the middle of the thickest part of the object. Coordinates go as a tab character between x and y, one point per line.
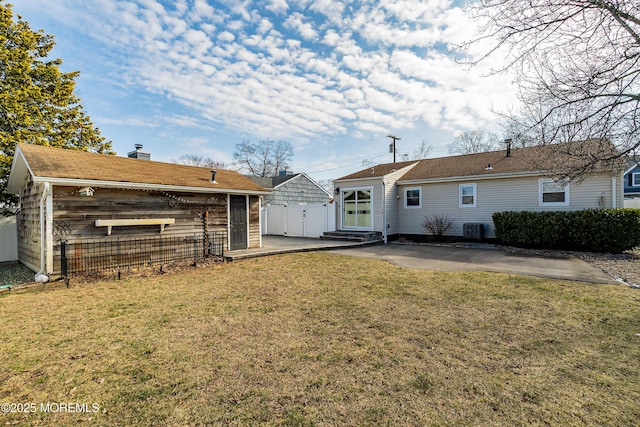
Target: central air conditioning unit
473	231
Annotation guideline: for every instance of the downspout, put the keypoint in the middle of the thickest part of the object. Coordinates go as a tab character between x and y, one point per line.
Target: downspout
260	218
384	211
41	275
614	192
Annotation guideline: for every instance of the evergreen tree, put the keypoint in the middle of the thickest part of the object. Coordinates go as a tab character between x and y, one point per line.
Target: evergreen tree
37	100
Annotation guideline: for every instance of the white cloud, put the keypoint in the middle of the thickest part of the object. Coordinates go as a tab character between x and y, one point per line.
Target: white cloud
305	29
329	68
226	36
277	6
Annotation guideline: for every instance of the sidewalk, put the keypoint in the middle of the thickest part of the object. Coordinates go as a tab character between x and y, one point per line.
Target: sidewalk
272	245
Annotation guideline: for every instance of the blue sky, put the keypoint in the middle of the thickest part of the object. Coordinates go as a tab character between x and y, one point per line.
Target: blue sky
333	78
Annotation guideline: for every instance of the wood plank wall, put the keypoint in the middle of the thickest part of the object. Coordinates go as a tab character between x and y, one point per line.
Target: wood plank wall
28	224
254	222
75	215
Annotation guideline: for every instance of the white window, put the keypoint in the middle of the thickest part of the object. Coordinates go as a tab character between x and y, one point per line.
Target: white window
635	179
553	193
413	197
467	197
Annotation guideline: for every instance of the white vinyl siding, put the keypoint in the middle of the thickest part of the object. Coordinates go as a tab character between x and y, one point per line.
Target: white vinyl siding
393	194
374	185
497	195
390	195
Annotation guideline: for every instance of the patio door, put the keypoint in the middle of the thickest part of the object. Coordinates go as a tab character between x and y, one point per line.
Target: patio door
356	209
238	229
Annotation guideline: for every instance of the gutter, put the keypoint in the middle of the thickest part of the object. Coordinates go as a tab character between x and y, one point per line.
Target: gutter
143	186
468	178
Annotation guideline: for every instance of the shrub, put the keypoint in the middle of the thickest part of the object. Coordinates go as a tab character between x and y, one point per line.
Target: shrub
437	225
593	230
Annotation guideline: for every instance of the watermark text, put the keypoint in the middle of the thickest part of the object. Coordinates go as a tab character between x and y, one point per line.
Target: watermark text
49	407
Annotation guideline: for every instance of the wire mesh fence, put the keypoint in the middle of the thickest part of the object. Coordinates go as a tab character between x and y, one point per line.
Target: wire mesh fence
93	256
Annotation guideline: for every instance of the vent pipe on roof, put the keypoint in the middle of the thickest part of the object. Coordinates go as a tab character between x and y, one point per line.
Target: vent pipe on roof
139	154
213	176
508	144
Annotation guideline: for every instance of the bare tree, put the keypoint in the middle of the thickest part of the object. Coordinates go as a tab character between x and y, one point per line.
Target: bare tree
327	184
578	68
474	141
265	158
422	152
198	160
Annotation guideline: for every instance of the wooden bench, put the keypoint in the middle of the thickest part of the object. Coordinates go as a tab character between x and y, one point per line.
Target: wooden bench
109	223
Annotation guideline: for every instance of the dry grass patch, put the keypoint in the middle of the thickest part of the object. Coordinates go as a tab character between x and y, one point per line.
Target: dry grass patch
319	339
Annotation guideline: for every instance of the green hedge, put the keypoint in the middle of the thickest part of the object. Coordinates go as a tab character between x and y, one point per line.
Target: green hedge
591	230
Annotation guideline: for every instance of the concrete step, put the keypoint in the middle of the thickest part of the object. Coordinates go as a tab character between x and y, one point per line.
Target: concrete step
353	236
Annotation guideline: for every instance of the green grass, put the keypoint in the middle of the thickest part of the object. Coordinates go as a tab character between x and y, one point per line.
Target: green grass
318	339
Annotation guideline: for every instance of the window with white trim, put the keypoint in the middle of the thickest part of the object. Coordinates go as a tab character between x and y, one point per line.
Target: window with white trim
635	179
467	197
413	197
553	193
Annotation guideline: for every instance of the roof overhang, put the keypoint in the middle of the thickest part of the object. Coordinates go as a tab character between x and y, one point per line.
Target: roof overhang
142	186
471	178
506	175
631	168
379	177
19	172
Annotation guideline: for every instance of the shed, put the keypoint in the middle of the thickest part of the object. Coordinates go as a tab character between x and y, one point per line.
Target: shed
78	196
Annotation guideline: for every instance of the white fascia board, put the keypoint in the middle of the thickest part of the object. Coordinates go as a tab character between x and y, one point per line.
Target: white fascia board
359	179
631	168
287	181
19	168
470	178
142	186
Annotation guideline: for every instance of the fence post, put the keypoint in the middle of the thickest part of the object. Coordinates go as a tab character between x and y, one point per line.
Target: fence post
64	262
195	251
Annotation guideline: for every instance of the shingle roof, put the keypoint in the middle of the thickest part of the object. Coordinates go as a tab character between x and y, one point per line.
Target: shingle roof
61	163
556	157
270	182
378	170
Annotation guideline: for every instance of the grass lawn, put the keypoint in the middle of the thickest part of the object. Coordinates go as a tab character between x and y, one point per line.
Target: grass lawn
319	339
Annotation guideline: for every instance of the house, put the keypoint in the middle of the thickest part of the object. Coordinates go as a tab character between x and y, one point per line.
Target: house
394	198
289	188
632	179
77	196
297	206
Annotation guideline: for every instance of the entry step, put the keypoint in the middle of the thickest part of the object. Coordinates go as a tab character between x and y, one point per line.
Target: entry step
353	236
